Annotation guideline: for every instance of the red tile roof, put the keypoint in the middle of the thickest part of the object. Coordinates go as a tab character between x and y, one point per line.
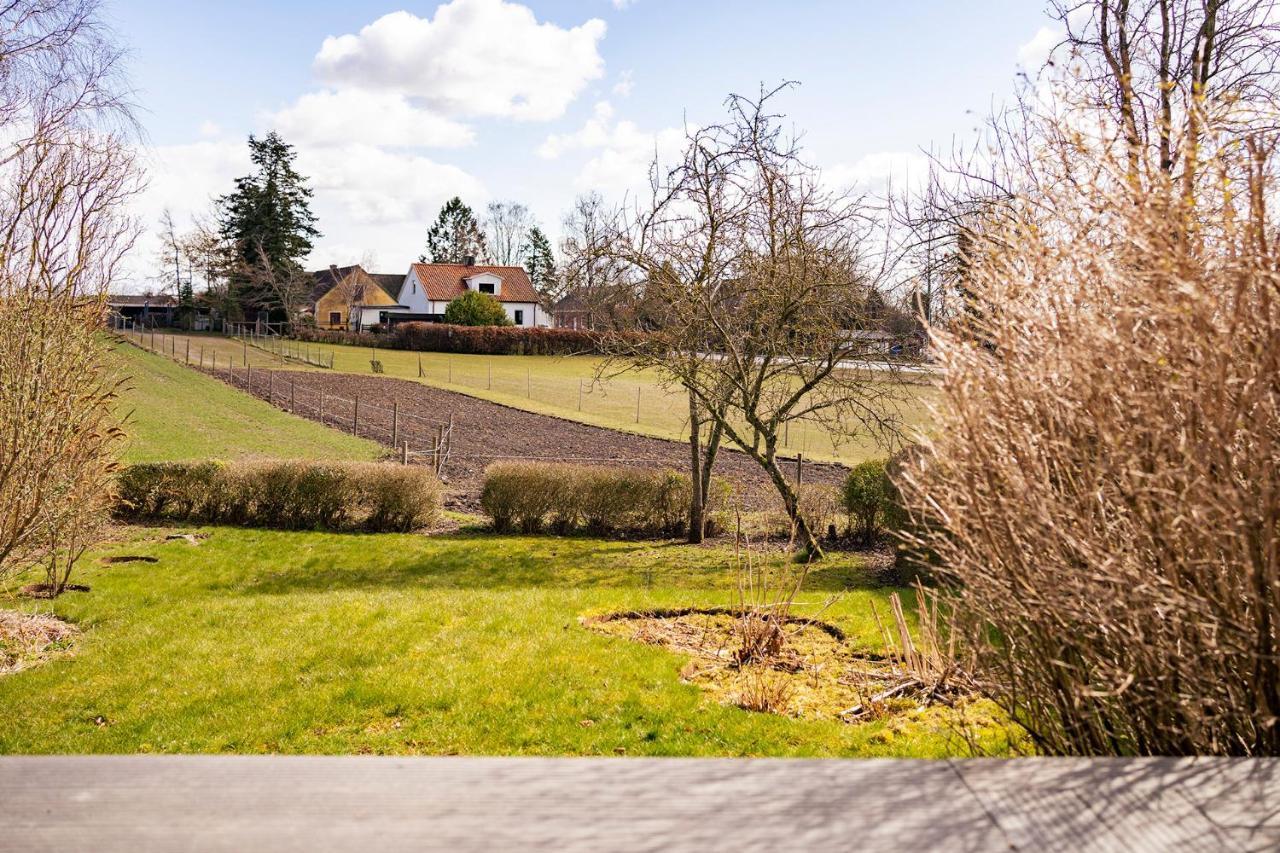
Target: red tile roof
444	282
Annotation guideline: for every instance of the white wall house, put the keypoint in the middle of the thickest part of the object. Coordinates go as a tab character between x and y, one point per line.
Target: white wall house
429	288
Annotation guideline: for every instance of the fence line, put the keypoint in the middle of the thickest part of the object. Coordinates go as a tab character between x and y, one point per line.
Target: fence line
194	354
328	409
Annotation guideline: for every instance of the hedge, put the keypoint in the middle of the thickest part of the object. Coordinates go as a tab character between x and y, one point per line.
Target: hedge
288	495
532	497
478	340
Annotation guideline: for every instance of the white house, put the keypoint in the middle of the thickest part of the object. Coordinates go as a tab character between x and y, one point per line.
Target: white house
429	288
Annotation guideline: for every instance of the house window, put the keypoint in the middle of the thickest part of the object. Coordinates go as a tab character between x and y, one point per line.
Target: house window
519	317
486	287
335	318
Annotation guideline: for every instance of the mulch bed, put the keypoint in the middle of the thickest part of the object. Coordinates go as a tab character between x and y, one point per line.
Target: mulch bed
484	432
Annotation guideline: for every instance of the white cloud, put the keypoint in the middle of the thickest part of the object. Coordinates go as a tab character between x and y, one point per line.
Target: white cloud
625	84
622	4
342	116
473	58
1033	53
878	171
210	129
623	152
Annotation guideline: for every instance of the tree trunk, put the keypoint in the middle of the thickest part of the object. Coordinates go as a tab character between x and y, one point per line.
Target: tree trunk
697	502
791	499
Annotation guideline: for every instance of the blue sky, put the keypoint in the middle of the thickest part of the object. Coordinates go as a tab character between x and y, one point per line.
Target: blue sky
396	106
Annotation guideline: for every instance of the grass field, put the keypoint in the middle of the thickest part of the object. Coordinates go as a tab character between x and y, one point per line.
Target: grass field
262	641
178	413
256	641
564	386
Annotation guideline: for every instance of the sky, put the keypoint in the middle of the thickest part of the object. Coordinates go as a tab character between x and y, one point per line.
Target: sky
394	107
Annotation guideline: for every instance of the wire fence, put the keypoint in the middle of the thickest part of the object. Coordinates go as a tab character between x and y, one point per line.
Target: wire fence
286	349
415	438
646	407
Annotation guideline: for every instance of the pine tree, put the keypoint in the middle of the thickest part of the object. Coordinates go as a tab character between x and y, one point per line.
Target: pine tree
540	263
268	221
456	235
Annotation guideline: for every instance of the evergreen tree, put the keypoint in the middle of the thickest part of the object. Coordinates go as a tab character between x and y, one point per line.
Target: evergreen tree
540	263
455	236
269	223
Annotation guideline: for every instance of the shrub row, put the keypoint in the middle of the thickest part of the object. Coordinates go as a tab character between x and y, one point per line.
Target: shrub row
287	495
480	340
532	497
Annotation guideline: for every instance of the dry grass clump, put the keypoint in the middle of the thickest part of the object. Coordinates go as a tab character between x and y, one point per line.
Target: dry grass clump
27	639
532	497
288	495
1103	487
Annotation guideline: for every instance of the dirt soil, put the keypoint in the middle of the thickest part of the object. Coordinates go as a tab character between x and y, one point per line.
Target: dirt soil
484	432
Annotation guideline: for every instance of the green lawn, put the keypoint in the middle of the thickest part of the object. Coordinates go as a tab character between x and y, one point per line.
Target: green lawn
563	386
256	641
176	413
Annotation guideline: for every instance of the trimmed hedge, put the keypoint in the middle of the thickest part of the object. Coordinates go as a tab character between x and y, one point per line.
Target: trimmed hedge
478	340
532	497
287	495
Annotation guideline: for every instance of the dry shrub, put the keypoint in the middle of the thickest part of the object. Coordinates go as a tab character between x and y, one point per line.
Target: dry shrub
287	495
66	172
530	497
1102	489
764	689
28	638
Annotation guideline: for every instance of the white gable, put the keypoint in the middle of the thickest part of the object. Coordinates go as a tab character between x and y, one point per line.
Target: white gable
485	282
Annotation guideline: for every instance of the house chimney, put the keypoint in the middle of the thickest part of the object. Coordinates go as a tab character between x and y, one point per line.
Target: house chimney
469	260
333	271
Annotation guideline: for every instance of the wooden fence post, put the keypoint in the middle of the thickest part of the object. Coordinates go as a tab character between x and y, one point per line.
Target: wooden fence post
404	455
395	423
293	396
248	378
244	342
637	404
799	469
579	395
355	417
188	358
271	386
490	375
420	373
528	383
439	455
321	407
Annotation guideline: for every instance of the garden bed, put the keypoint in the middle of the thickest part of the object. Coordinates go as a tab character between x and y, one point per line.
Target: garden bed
817	674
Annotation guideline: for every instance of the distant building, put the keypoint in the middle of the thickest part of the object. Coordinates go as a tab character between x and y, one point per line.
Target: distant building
349	298
141	310
429	288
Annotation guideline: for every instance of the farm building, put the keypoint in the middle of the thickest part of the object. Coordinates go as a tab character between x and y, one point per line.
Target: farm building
142	309
351	298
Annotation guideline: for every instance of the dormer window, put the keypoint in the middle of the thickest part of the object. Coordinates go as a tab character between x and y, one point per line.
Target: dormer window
485	282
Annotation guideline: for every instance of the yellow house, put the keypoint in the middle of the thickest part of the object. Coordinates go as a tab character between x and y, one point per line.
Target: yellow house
350	298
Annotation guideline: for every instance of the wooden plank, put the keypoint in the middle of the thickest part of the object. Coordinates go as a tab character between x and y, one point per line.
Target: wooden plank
141	803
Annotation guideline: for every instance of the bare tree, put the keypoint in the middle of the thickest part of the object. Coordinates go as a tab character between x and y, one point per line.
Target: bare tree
281	286
66	170
508	224
591	273
757	280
